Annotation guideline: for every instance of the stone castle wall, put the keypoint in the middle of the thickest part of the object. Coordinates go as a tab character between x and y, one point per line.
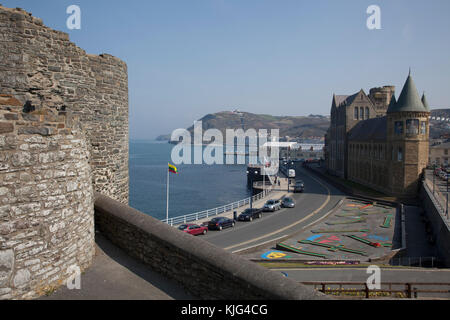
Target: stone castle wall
63	134
41	65
46	199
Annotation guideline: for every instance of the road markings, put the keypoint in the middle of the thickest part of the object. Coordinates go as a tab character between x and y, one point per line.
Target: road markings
262	243
291	225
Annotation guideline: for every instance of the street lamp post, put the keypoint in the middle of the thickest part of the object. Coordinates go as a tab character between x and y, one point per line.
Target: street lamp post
251	188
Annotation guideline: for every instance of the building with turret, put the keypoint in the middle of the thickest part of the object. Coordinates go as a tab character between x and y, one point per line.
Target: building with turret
385	150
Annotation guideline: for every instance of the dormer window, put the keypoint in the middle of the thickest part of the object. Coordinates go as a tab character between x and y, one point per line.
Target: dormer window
361	113
356	114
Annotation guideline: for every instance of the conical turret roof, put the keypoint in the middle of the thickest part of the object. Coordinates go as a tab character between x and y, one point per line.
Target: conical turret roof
409	99
425	103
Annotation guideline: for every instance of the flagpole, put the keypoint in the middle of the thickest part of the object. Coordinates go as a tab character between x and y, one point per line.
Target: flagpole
167	197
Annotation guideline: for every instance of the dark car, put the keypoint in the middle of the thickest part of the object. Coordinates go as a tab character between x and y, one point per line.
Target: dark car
299	186
287	202
250	214
220	223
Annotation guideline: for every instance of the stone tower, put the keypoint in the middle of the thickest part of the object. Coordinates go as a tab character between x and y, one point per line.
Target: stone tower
407	140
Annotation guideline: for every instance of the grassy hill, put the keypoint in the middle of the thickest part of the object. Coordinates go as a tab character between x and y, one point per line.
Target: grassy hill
295	127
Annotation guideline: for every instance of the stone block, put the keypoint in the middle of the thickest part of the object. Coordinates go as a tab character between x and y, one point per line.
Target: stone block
6	127
6	266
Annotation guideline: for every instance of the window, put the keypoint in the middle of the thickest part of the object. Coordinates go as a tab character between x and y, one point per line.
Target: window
361	113
446	152
400	154
367	113
412	127
356	114
423	127
398	128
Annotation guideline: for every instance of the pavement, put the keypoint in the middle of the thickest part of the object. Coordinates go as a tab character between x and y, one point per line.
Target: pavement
430	277
114	275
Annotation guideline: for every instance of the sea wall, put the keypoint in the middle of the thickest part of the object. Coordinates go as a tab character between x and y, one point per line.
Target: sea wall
41	65
46	199
205	270
439	227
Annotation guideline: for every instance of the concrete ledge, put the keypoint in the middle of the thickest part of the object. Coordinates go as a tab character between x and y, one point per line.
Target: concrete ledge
203	269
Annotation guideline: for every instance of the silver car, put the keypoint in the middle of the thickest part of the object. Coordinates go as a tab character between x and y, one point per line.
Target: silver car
288	202
272	205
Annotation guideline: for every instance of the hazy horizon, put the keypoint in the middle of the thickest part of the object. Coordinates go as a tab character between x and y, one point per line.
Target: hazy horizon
190	58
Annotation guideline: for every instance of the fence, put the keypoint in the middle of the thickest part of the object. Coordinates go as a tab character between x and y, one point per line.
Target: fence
425	262
401	290
216	211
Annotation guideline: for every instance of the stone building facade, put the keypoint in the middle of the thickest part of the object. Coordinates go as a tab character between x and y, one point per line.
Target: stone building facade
379	144
63	135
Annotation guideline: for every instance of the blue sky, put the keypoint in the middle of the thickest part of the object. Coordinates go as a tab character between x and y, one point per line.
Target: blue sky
187	58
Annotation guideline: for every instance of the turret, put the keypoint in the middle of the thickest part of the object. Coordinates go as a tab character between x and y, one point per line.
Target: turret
407	139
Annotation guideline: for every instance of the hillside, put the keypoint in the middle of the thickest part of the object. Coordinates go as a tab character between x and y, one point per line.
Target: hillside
306	127
439	128
294	127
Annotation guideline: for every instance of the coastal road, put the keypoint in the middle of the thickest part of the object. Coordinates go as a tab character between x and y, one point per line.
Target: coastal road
314	203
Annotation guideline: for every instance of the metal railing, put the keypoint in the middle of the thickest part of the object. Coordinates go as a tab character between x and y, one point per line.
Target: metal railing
216	211
422	262
402	290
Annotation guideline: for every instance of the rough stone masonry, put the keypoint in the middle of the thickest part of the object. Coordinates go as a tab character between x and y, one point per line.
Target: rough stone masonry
63	134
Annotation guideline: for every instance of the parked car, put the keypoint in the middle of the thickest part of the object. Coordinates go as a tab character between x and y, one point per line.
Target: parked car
299	186
272	205
288	202
250	214
220	223
193	229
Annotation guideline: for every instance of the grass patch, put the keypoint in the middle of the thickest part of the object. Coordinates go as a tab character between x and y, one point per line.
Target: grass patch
297	265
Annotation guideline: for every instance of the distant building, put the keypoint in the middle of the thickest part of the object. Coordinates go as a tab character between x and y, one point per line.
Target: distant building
294	150
439	154
377	141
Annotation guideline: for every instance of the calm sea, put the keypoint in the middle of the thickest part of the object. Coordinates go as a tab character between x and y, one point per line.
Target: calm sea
195	188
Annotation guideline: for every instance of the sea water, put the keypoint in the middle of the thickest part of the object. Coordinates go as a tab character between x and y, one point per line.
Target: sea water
194	188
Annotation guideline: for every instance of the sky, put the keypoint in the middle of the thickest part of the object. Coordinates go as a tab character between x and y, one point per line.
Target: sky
188	58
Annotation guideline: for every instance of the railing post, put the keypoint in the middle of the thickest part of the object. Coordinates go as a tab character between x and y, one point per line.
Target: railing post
408	290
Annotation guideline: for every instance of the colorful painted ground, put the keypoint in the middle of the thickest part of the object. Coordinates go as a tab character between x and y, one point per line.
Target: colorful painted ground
356	231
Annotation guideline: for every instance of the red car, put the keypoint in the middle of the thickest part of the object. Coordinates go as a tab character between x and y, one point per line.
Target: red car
193	229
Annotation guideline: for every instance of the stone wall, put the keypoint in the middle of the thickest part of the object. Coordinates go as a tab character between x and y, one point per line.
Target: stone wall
41	65
205	270
440	228
46	199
